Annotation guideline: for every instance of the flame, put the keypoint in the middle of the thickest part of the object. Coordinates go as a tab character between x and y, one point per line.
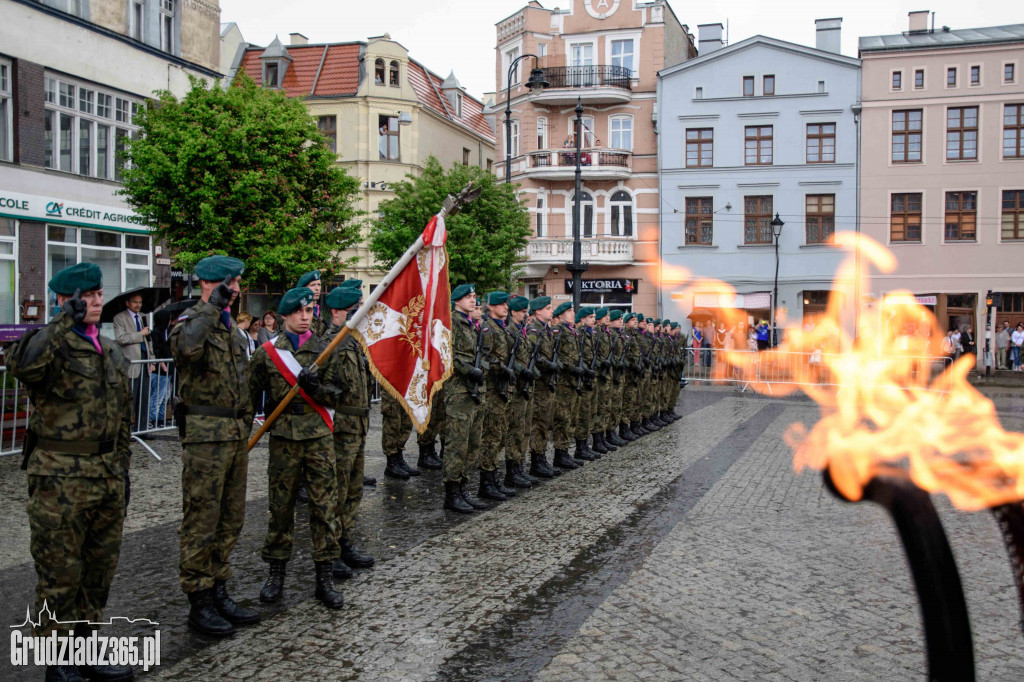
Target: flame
885	408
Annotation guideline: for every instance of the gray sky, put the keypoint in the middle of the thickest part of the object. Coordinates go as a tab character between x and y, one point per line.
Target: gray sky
460	34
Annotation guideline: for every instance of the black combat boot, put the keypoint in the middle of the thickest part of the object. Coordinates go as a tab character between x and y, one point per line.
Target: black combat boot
340	570
325	591
650	424
583	452
599	446
662	419
488	487
555	470
469	499
531	479
564	461
428	460
394	469
625	434
228	609
369	481
610	447
409	469
63	673
104	673
499	483
514	476
638	427
272	589
453	500
539	466
610	436
353	557
203	616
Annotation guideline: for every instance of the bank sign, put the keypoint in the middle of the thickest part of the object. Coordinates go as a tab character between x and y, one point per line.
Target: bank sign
54	209
605	286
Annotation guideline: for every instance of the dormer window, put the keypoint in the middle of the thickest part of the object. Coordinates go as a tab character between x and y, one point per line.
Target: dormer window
378	72
271	78
393	74
275	61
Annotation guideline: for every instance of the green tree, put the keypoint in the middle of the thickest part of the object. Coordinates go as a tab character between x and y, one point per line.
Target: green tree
484	237
242	172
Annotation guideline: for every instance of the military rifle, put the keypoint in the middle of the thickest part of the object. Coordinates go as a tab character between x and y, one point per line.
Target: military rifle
579	370
554	362
657	360
507	370
622	359
474	392
588	382
528	375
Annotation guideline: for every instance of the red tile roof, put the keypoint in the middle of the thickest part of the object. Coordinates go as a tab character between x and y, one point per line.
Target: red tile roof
428	90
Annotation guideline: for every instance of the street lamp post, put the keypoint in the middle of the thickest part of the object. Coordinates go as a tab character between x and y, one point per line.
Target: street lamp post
536	84
577	267
777	231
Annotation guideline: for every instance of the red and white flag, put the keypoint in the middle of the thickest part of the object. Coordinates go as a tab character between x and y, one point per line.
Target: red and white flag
289	368
407	333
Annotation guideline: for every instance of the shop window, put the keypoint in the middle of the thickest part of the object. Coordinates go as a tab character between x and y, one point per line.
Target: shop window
8	271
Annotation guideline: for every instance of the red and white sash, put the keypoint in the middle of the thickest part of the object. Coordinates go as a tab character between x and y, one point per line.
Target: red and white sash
289	368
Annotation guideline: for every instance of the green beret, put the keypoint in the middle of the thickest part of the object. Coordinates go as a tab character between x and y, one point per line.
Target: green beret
649	320
675	325
601	312
581	313
352	283
562	307
294	299
614	315
311	276
84	277
656	322
462	291
343	298
218	268
539	302
479	302
497	298
627	317
518	303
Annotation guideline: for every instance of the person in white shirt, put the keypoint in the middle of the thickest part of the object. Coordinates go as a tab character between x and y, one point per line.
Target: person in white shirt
1016	342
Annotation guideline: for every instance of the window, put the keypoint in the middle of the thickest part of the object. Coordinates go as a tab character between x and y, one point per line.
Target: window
919	78
167	25
962	133
6	115
465	156
821	87
80	123
515	137
136	19
622	214
328	127
270	76
1013	214
897	80
821	143
490	165
588	132
621	132
820	218
975	75
388	143
540	216
906	136
1008	73
393	74
758	146
8	271
586	215
378	71
951	77
1013	131
542	133
70	6
542	50
905	218
622	54
699	147
748	86
510	57
699	93
757	218
961	215
700	215
768	85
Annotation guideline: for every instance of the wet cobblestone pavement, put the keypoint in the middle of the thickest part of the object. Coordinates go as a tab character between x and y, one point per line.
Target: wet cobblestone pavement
693	554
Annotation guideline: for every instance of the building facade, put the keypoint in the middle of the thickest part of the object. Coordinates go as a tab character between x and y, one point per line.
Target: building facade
943	166
605	54
383	112
67	103
758	129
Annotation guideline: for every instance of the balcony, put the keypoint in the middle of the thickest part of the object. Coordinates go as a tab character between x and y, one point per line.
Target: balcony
545	252
592	84
597	163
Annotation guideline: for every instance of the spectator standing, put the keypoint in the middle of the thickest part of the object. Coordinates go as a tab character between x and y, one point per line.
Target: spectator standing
763	335
968	342
244	322
696	341
269	328
1003	346
132	334
1016	342
162	380
958	347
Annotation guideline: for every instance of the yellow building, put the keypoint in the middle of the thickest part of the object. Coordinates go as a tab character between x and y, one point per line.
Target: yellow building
383	112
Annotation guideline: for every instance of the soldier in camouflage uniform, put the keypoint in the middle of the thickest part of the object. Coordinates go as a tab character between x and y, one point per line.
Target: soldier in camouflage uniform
320	322
427	440
611	342
351	374
301	438
658	381
500	342
588	398
462	395
77	454
540	333
520	405
214	417
566	406
615	404
634	373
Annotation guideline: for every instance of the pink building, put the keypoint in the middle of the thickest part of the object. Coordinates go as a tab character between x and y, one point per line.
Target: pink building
942	166
606	53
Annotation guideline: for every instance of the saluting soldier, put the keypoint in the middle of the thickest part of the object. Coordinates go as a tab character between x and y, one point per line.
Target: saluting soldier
541	333
214	417
350	372
495	406
520	405
300	439
584	422
567	400
77	454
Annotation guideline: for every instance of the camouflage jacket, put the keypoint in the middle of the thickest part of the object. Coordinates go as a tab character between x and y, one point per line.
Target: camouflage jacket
299	420
213	370
646	344
464	340
524	350
320	323
568	351
499	342
78	396
540	334
351	373
604	338
631	363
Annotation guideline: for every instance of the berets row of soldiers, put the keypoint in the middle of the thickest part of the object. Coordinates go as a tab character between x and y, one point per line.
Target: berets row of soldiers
597	378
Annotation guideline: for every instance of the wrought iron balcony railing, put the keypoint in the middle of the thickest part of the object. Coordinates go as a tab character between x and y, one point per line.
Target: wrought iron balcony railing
587	76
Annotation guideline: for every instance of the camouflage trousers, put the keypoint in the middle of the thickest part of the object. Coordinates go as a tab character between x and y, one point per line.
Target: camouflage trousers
617	405
463	419
541	422
630	406
75	526
566	409
395	426
605	419
585	422
517	436
494	429
213	480
435	427
649	394
288	459
349	462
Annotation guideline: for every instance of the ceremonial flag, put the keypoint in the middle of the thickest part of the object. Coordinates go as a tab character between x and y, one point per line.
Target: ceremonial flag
289	368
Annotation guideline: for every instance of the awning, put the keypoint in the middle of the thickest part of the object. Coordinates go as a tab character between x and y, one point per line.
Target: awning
756	301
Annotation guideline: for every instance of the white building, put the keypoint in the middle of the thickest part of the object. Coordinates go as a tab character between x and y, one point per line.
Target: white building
747	132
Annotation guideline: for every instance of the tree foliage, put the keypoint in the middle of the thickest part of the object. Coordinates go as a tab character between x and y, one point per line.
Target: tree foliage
484	237
242	172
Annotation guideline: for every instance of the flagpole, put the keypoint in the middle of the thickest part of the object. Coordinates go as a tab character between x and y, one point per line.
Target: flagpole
450	205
